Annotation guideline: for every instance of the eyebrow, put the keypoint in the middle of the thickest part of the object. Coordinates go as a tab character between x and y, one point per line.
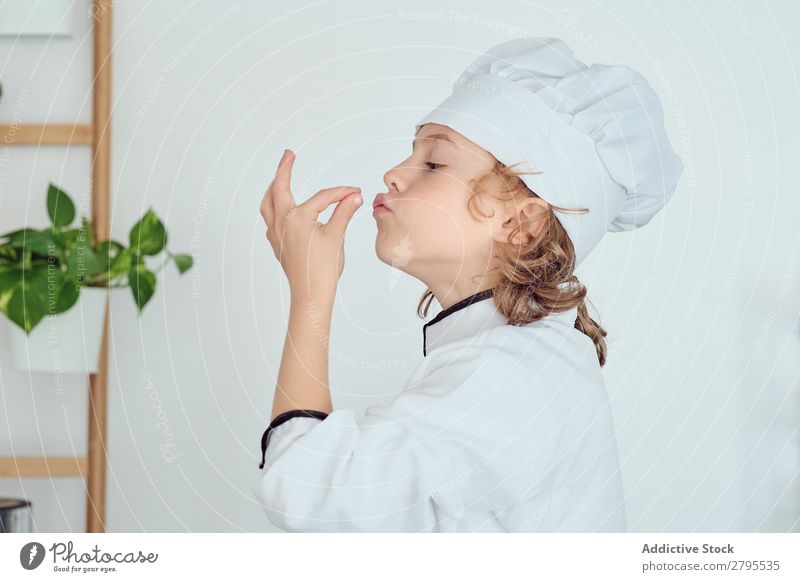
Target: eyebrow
437	136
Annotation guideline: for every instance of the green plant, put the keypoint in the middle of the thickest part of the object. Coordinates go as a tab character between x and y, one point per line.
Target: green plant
43	271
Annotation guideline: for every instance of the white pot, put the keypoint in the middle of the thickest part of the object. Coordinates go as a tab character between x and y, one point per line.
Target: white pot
65	343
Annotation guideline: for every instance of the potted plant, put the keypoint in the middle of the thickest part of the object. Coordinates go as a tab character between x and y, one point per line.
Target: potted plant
61	276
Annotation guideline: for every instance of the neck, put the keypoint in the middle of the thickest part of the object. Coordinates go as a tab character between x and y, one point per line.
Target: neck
450	293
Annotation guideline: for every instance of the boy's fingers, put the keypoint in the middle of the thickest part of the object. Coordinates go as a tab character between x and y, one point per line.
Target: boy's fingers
280	189
266	208
342	214
324	198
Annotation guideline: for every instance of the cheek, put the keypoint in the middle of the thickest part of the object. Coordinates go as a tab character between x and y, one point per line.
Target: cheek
430	218
433	229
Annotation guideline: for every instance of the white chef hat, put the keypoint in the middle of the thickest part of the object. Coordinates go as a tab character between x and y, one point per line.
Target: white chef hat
596	133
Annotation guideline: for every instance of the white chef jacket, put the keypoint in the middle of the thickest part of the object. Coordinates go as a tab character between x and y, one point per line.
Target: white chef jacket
500	428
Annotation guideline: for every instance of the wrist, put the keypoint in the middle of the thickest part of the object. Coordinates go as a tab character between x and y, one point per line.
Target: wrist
317	305
303	294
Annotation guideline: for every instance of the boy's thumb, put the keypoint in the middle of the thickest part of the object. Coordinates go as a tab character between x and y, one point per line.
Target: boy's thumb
343	212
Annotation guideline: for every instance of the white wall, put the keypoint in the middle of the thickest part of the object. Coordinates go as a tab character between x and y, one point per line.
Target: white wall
701	306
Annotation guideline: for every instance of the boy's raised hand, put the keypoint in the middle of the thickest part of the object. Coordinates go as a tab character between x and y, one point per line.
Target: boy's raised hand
310	253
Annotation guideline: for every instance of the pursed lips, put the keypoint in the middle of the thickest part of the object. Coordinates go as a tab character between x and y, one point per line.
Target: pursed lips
380	201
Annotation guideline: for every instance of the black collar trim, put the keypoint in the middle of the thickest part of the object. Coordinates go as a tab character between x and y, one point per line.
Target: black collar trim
479	296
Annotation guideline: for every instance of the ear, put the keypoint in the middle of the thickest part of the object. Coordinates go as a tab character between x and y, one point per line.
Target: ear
527	209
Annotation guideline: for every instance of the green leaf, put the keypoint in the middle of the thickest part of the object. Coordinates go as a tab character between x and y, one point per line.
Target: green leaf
8	253
27	261
27	303
148	236
107	252
59	206
41	242
27	295
183	262
116	261
67	296
14	233
143	285
67	238
87	230
82	260
111	248
122	264
5	297
10	279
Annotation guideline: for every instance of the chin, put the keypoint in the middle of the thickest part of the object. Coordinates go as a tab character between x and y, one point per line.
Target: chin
389	253
383	250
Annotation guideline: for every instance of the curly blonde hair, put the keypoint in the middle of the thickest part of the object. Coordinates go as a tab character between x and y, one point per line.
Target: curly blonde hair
535	269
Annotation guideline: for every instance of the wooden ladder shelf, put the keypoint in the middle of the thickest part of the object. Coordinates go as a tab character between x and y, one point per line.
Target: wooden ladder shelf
92	467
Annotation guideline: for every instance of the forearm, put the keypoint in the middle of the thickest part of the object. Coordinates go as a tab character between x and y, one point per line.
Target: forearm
303	375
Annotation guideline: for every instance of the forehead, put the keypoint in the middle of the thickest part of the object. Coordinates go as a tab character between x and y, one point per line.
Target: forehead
434	133
430	133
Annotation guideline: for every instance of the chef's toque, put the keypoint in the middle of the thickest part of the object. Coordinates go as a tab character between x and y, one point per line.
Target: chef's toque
595	133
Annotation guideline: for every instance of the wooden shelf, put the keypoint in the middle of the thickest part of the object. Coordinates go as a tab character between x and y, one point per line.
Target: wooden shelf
42	467
91	467
47	134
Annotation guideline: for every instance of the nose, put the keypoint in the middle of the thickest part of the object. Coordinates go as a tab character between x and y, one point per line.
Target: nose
394	179
389	180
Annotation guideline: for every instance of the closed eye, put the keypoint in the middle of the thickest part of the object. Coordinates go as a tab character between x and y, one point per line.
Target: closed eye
433	166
